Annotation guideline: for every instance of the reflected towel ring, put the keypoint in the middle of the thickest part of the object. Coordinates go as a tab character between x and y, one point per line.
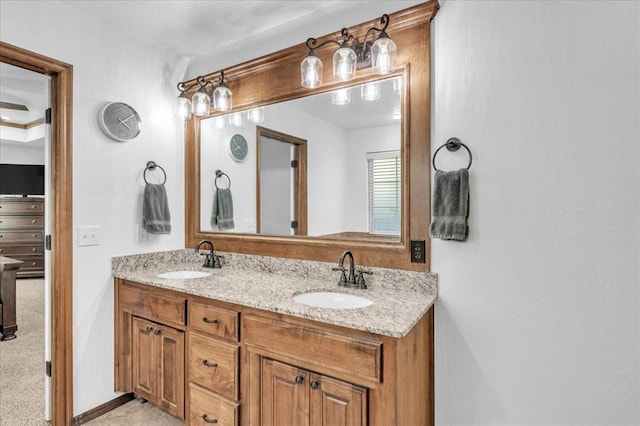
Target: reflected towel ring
151	165
452	145
219	174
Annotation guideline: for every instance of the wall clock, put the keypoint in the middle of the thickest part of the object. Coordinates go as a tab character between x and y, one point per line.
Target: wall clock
120	121
238	147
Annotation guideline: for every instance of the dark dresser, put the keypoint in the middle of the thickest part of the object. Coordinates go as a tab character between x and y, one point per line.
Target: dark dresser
22	233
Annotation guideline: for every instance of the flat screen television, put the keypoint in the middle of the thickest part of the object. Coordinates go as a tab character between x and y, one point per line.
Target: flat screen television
21	179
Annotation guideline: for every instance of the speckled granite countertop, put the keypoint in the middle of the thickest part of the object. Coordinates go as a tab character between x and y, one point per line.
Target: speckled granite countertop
400	298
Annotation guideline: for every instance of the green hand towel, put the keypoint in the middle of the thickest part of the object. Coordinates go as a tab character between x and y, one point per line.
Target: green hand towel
222	211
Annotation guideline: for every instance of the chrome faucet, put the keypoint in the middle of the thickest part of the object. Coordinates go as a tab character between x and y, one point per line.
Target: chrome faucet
355	279
211	260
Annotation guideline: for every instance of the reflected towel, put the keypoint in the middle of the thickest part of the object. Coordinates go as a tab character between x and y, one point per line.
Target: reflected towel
222	211
450	205
156	218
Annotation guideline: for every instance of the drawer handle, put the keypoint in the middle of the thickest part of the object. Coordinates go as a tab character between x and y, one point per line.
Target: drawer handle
210	321
157	332
33	221
209	364
314	385
149	329
35	235
208	420
34	249
299	379
33	263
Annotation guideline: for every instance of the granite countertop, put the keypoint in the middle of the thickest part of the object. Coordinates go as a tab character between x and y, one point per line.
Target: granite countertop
400	298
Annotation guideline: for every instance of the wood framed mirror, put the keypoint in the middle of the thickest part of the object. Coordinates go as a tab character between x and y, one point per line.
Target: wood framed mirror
275	79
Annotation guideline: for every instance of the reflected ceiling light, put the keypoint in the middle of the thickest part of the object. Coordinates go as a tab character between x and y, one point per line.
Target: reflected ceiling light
396	115
201	101
397	86
341	96
350	56
370	91
235	119
256	115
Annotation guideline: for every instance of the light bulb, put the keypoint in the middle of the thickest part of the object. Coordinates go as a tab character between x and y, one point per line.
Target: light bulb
344	64
200	103
184	107
383	55
341	96
311	72
370	92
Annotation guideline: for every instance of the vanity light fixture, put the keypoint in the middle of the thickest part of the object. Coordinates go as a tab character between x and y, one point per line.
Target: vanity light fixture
256	115
341	96
370	91
236	119
350	56
199	105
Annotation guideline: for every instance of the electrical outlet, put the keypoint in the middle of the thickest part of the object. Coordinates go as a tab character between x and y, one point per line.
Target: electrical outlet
417	251
88	236
142	234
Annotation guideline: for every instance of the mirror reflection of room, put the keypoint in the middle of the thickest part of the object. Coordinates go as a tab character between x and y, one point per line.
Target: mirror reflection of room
352	166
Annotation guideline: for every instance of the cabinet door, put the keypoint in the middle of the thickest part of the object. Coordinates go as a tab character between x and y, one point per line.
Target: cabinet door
285	395
337	403
170	343
144	356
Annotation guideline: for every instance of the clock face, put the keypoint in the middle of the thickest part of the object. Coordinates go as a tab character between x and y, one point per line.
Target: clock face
120	122
238	147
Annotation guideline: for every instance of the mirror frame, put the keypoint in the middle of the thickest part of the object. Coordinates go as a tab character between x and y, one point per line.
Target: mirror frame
276	78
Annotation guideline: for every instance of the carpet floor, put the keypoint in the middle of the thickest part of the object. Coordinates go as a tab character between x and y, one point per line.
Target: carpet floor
22	360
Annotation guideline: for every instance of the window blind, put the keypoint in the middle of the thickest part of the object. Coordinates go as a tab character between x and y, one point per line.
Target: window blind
384	184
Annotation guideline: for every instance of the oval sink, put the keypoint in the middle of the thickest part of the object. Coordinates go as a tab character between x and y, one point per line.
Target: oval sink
183	275
332	300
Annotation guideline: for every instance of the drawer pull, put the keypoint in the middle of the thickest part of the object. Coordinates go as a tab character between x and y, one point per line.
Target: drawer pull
34	249
209	364
35	235
33	263
210	321
157	332
33	206
299	379
33	221
208	420
149	329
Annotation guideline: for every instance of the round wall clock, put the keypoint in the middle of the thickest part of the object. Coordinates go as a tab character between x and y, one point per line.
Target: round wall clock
119	121
238	148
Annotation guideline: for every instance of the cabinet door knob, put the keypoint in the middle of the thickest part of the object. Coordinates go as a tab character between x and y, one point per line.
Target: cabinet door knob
157	332
149	329
210	321
33	221
34	249
314	385
209	364
33	206
299	379
208	420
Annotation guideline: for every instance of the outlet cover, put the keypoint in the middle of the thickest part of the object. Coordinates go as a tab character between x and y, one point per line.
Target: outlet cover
417	251
88	236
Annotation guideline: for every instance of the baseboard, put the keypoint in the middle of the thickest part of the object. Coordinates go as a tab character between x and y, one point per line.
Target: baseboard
102	409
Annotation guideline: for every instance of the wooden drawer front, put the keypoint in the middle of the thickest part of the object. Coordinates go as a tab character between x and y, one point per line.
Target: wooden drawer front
148	304
213	364
21	222
344	355
213	320
21	236
9	207
15	250
30	262
205	405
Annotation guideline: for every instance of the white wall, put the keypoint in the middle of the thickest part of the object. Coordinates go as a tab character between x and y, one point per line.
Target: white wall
107	175
12	153
537	319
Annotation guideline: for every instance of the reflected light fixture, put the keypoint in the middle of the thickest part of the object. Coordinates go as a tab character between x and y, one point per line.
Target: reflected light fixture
256	115
350	56
235	119
370	91
201	101
341	96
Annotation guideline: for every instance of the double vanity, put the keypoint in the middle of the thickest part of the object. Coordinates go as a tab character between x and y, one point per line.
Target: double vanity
268	341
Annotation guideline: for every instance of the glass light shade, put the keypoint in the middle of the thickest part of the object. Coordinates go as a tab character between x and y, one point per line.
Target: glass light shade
184	107
256	115
341	97
383	55
200	103
397	86
235	119
311	72
219	122
222	98
370	92
344	64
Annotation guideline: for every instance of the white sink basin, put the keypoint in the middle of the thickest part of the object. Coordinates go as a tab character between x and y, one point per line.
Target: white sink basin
332	300
183	275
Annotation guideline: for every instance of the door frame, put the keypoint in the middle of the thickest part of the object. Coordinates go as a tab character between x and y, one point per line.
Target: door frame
62	222
299	180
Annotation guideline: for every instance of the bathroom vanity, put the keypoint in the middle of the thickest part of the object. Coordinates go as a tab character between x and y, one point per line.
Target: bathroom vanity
234	348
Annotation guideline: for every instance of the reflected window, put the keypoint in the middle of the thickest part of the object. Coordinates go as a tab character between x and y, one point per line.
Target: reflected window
384	183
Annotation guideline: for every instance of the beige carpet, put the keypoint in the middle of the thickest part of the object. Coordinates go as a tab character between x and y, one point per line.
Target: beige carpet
22	360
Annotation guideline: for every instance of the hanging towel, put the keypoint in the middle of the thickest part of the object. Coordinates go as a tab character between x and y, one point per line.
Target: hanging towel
222	211
450	205
156	218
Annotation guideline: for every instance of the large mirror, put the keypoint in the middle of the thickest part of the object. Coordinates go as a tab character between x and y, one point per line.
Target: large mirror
327	165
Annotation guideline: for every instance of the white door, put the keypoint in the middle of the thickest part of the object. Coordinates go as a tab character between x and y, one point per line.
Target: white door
277	203
47	254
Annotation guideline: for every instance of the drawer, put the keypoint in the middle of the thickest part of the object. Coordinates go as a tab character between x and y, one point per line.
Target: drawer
21	236
10	207
213	320
344	355
152	305
206	408
213	364
21	250
30	262
21	222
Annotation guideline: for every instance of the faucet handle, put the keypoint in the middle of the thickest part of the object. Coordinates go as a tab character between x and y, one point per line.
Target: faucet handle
208	260
360	281
343	275
217	260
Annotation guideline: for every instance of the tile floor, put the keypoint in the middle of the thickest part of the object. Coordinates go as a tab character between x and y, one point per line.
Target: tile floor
134	413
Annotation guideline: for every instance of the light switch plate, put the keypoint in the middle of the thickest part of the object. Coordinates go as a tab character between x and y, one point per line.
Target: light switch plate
88	236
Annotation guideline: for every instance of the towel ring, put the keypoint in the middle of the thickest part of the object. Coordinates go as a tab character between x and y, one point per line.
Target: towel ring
151	165
452	145
219	174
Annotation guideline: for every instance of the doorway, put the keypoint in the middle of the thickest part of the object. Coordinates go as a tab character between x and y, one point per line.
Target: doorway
61	211
281	183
